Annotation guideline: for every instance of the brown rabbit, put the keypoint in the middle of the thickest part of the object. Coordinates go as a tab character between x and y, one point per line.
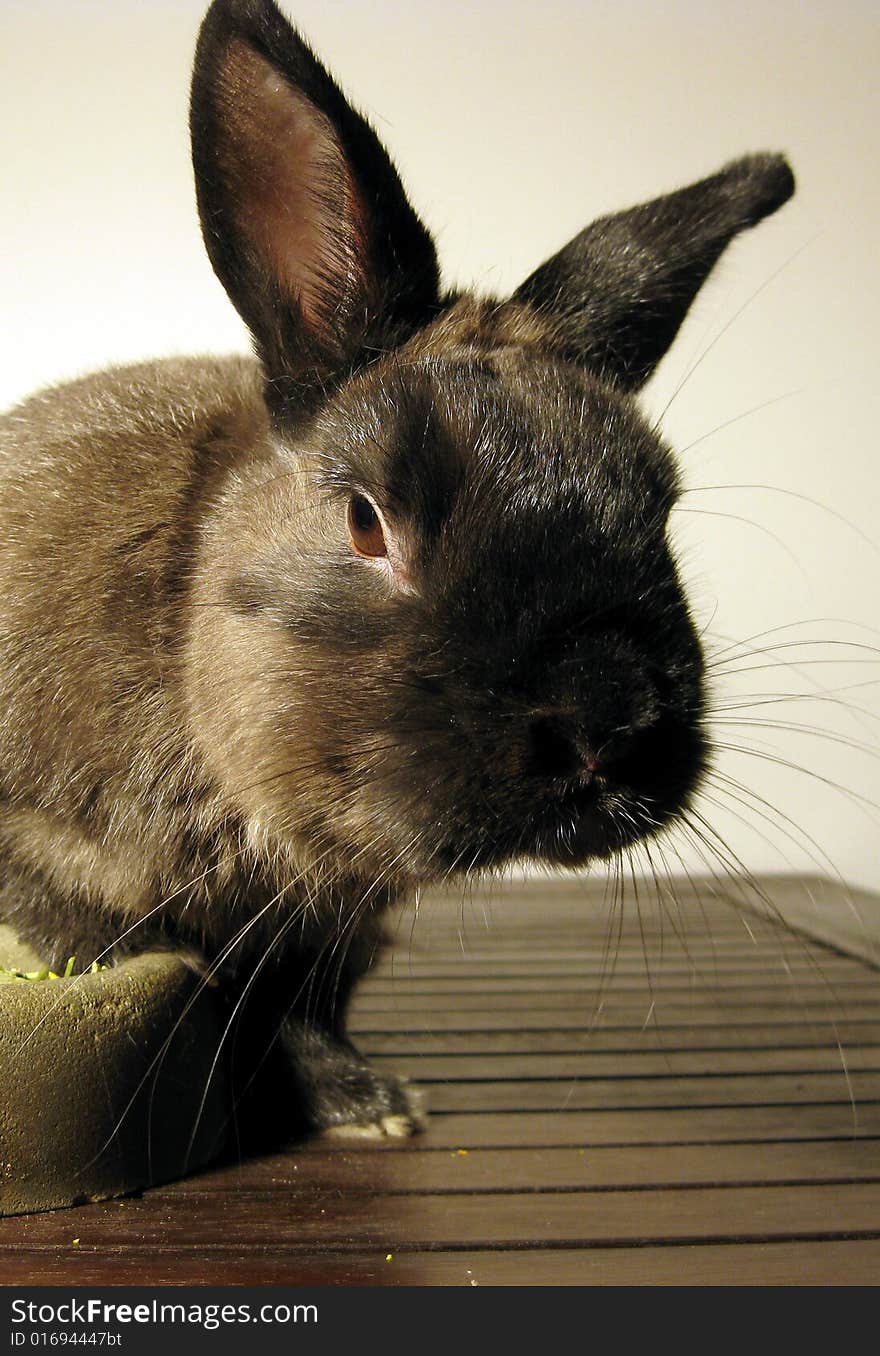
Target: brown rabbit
284	639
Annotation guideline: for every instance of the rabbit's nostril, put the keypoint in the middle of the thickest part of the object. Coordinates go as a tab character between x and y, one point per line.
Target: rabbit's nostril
556	750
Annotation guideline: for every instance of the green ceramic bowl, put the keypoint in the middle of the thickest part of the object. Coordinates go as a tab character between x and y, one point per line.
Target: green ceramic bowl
102	1079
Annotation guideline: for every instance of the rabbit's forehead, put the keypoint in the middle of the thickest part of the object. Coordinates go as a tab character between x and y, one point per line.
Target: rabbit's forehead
512	429
510	420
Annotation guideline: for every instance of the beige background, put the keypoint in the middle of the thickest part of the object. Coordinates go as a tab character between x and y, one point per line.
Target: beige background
513	124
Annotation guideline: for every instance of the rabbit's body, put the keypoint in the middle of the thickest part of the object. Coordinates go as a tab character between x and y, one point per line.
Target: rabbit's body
113	536
103	533
285	639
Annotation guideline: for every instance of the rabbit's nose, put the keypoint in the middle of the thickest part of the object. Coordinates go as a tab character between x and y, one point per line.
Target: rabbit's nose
559	749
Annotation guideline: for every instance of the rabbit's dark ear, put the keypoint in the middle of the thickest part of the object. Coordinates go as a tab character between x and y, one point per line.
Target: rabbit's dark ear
303	214
618	292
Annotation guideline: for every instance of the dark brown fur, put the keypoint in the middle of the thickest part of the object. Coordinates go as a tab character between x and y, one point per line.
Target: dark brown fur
225	731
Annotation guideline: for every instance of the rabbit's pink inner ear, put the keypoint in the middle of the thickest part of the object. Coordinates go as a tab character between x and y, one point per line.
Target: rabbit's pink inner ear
295	201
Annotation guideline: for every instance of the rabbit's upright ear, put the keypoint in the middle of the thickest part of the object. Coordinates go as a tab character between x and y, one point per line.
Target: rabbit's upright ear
303	214
617	294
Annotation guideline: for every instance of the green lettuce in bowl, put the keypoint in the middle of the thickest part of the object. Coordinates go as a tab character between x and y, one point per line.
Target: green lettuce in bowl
30	976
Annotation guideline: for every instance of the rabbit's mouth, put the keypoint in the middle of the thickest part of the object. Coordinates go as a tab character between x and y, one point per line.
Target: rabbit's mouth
594	821
614	805
597	811
587	821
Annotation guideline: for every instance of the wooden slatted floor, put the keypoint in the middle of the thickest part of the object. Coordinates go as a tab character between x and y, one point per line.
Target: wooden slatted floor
664	1093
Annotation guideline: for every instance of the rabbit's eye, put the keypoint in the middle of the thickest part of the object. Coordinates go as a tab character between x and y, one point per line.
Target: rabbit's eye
365	527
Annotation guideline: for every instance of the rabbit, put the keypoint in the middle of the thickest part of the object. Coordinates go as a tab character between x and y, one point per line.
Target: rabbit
286	638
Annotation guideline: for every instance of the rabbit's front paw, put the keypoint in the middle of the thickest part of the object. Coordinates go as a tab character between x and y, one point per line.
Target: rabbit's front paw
341	1095
385	1107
